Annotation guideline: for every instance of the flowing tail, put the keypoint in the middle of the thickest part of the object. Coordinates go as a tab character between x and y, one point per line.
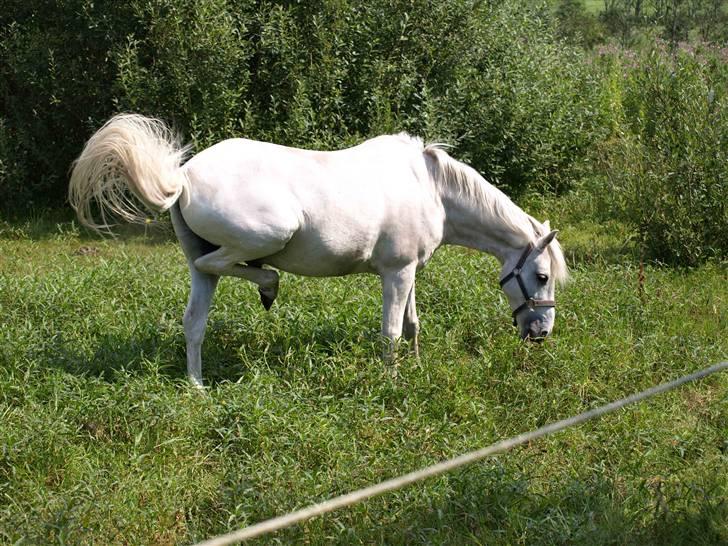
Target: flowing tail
130	157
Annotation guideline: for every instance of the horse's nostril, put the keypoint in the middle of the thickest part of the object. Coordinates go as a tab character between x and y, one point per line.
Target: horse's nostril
544	333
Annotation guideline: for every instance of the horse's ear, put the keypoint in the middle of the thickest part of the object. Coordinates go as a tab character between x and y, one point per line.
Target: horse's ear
544	241
546	226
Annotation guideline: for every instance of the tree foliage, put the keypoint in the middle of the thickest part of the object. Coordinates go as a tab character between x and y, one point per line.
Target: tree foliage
490	78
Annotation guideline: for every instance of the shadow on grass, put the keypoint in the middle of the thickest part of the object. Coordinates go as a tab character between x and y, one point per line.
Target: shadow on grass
233	348
117	356
230	350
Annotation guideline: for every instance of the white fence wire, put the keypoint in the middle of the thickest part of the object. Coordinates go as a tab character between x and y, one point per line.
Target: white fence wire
281	522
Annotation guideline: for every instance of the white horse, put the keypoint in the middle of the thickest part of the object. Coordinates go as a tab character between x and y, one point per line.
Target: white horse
381	207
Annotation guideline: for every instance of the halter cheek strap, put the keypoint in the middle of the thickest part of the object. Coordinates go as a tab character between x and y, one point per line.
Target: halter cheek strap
529	302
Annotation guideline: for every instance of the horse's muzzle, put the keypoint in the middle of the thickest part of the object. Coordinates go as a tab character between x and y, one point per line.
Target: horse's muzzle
535	332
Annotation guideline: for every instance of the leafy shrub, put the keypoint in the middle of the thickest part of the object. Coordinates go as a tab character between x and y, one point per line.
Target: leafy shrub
577	25
56	83
526	102
491	78
187	62
667	163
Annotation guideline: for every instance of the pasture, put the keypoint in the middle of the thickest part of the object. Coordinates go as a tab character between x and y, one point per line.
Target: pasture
102	440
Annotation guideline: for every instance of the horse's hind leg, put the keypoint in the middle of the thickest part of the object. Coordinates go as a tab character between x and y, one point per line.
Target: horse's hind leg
195	321
201	292
226	262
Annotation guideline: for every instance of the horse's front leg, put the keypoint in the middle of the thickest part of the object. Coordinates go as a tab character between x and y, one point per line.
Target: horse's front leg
411	326
396	288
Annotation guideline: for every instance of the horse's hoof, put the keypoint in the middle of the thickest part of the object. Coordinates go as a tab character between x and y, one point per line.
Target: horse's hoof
266	299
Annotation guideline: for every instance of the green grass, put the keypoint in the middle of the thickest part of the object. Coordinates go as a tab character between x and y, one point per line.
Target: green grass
102	440
594	6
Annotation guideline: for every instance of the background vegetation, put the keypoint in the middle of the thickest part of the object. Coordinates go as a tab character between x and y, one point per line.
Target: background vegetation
608	117
526	92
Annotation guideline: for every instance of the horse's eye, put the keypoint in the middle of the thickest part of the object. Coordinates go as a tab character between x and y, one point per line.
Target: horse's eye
543	279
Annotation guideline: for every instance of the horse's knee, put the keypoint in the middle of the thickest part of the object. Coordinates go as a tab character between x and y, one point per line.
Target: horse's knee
208	264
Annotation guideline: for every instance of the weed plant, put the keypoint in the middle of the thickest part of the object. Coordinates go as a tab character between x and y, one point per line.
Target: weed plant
665	165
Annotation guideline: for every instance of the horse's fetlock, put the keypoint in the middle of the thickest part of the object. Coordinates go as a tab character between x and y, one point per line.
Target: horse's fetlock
410	330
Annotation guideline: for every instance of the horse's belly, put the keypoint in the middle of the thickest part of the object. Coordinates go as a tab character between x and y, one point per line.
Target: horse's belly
315	256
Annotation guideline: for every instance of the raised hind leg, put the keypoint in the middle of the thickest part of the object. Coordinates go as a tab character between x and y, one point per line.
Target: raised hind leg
411	325
224	261
207	263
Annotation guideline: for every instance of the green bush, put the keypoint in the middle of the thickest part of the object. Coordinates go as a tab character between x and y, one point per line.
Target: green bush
667	163
525	102
57	82
491	79
577	25
186	61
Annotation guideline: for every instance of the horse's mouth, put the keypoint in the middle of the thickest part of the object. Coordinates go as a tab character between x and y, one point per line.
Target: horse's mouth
534	337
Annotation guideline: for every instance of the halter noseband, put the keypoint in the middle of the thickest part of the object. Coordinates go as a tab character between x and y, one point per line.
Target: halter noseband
529	302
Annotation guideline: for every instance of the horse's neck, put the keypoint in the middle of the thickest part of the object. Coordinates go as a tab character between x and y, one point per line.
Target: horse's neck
470	222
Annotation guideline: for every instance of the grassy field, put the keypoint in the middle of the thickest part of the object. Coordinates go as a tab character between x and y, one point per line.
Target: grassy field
102	440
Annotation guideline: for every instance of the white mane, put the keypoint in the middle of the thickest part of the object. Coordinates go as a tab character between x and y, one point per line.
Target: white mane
465	180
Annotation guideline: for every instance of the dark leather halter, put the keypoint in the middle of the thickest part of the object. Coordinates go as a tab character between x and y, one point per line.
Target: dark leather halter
529	302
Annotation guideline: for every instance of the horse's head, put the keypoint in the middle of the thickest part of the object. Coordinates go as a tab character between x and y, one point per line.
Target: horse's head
528	278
